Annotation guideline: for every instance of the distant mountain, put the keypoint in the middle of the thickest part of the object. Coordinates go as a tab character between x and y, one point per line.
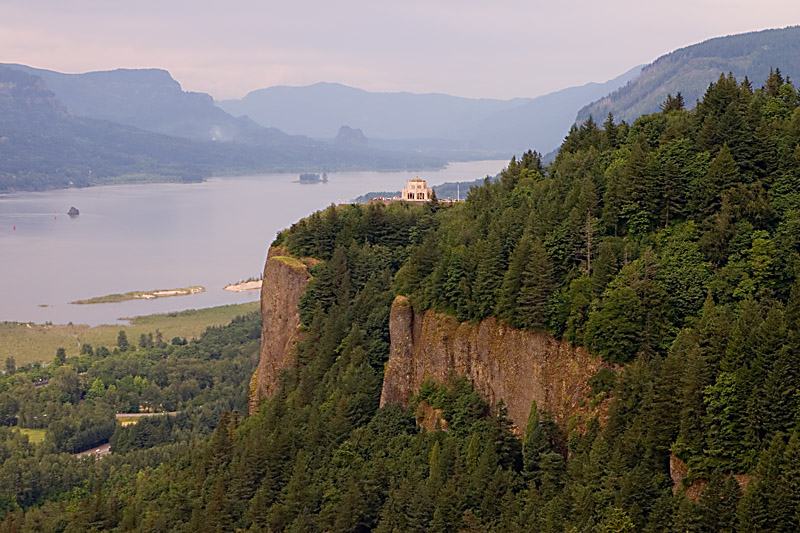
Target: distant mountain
691	69
541	123
465	124
43	146
319	110
151	100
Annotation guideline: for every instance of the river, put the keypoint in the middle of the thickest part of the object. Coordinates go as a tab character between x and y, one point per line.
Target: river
162	236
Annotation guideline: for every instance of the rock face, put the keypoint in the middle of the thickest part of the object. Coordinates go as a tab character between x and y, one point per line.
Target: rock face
351	137
26	96
516	366
285	280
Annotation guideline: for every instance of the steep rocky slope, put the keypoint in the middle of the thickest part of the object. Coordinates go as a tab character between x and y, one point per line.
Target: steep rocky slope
285	280
503	363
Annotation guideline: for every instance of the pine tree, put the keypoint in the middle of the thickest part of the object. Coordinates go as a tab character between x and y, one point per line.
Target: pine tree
534	445
618	521
726	412
122	340
673	103
721	176
61	356
790	476
488	275
512	281
764	506
642	179
537	286
614	331
773	84
611	131
691	437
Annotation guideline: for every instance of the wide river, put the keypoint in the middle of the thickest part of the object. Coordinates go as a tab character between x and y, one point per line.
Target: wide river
162	236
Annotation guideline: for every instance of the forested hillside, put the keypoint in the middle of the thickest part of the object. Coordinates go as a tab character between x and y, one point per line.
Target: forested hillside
670	246
689	70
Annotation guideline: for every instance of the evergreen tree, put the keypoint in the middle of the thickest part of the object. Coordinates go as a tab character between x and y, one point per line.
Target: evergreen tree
721	176
122	340
536	288
61	356
513	279
673	103
611	131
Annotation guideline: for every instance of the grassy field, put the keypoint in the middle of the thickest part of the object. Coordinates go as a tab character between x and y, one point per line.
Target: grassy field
34	435
29	343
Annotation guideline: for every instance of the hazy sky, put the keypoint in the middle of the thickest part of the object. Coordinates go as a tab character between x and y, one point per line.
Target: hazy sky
480	48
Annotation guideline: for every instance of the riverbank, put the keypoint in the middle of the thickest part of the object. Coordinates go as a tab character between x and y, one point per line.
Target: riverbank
141	295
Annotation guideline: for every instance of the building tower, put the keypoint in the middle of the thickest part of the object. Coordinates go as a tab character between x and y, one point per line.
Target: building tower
417	190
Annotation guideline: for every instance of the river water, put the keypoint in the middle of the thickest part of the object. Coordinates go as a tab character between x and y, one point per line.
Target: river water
162	236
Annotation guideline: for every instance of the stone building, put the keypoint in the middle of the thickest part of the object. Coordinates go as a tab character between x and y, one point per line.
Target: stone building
417	191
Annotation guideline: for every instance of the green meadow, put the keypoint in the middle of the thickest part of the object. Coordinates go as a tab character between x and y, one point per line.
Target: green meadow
30	343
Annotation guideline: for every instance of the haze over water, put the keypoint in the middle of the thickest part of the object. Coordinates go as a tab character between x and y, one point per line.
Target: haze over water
162	236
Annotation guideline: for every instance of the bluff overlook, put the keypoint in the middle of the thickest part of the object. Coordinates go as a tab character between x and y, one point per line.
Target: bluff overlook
285	280
503	363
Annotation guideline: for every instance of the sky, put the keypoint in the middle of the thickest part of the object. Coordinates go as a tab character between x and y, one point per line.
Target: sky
480	49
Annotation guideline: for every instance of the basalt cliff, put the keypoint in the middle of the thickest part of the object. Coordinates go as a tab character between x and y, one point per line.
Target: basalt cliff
503	363
285	280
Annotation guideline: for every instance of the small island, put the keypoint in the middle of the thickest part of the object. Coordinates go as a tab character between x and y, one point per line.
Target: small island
314	178
141	295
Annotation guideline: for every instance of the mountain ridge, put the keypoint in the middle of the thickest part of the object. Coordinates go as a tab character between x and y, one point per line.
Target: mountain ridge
319	109
692	68
43	146
152	100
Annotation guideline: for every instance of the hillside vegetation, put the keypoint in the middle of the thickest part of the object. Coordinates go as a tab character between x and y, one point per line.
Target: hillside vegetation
670	246
689	71
36	343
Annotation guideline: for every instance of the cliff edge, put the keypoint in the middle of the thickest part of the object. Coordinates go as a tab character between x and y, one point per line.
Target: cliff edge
519	367
285	280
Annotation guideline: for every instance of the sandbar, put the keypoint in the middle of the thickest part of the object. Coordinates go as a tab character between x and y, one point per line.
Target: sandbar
244	286
141	295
